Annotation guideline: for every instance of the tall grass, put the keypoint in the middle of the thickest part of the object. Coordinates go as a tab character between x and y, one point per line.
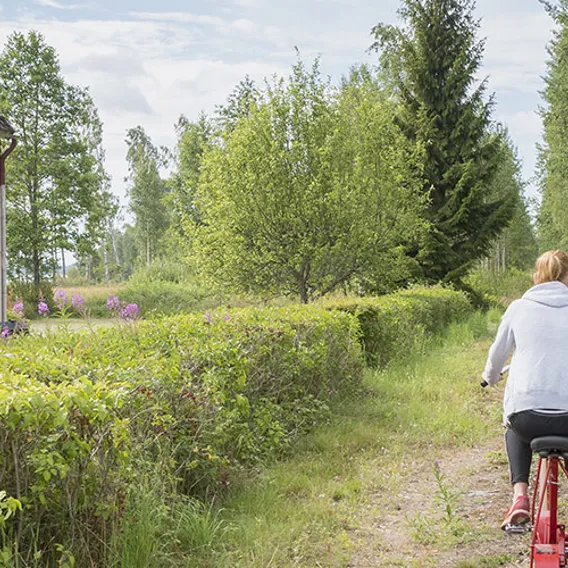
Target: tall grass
154	533
138	542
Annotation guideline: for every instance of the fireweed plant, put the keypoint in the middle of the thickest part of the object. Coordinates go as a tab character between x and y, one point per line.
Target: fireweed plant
113	304
43	309
17	315
18	309
68	307
79	305
129	312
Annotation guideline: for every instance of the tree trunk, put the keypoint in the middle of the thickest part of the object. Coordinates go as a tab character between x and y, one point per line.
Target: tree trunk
63	267
105	258
303	284
36	267
115	249
497	258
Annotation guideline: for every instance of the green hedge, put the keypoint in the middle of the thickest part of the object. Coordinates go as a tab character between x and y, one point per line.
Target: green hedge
392	324
191	397
185	399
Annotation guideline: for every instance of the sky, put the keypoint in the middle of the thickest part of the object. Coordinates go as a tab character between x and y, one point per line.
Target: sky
146	63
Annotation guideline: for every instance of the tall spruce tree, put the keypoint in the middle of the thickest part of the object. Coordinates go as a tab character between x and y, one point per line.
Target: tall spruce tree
553	159
431	65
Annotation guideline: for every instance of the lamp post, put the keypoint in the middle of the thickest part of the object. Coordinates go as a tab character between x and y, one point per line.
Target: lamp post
7	132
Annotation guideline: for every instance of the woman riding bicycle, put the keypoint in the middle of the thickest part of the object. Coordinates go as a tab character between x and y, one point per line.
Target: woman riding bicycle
536	394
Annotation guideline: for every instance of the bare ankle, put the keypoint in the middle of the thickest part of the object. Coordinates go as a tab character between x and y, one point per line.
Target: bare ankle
520	490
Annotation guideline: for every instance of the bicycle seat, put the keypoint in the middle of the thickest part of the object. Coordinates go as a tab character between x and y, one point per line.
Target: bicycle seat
550	445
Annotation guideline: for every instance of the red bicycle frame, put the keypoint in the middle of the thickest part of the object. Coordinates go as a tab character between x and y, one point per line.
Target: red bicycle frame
548	546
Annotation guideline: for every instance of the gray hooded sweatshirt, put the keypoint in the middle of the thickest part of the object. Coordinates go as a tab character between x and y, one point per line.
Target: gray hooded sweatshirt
536	327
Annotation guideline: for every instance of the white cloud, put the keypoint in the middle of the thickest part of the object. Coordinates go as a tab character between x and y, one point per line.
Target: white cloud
225	27
248	3
178	17
515	55
524	124
58	5
244	26
146	72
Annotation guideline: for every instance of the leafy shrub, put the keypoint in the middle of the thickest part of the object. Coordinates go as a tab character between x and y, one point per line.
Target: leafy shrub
164	288
392	324
165	297
83	415
163	270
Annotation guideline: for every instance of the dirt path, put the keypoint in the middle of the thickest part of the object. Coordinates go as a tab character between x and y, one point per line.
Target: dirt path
52	324
408	528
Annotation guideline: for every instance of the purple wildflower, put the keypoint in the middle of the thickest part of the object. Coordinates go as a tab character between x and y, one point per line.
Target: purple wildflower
19	309
130	312
60	298
42	308
113	304
78	303
437	466
5	332
208	318
227	317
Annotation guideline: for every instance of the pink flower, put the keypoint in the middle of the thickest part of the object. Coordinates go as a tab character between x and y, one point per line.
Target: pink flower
78	303
113	304
19	309
130	312
42	308
60	298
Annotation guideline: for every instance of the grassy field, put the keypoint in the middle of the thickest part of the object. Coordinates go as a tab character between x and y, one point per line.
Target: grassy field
95	292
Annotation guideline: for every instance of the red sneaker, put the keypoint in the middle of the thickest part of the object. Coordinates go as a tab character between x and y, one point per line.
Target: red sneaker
518	514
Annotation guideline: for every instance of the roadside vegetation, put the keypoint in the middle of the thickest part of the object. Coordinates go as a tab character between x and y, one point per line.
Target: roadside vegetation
283	336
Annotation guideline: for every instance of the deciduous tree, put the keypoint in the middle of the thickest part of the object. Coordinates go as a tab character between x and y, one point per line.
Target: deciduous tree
314	188
553	158
147	191
55	191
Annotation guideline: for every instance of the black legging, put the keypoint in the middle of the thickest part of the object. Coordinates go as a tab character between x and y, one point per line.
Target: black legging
522	428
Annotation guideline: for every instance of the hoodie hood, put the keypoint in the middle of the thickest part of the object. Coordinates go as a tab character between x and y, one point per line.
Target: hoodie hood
553	294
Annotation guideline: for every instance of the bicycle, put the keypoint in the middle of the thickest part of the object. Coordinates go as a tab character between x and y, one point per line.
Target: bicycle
548	542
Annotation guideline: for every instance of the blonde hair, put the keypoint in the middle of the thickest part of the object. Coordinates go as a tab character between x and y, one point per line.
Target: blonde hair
551	266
